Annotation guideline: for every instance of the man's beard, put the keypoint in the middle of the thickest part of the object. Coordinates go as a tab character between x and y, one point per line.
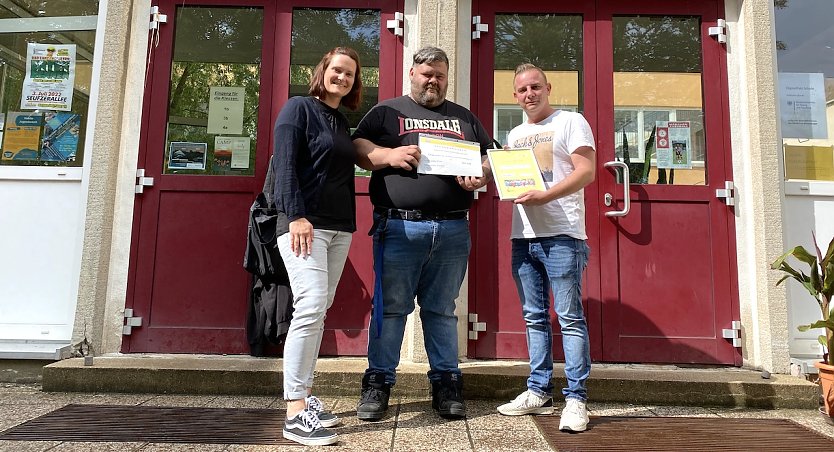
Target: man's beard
425	98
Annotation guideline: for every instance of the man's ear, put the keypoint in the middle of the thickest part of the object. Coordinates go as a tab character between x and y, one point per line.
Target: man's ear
411	72
548	88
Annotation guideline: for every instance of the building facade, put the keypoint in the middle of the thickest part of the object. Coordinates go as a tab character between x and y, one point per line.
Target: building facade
690	205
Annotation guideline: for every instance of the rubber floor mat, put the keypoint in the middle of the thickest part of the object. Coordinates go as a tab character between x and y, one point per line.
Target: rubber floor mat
611	434
110	423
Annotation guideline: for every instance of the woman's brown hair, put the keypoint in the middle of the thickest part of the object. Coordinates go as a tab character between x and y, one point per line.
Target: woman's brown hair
353	99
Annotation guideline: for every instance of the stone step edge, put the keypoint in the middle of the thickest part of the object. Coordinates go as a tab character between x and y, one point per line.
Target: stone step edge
498	381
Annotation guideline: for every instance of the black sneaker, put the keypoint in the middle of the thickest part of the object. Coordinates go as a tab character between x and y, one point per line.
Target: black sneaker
374	400
305	428
447	396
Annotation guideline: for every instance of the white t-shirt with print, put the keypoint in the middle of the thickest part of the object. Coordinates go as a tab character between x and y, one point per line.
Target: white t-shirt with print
553	140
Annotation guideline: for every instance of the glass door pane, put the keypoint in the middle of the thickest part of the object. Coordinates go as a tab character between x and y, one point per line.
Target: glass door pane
316	31
215	82
658	109
552	42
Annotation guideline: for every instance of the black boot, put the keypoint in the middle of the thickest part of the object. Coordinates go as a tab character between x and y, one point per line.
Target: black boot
374	400
447	396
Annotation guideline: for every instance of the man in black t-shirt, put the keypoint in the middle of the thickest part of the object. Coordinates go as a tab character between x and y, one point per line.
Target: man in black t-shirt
421	233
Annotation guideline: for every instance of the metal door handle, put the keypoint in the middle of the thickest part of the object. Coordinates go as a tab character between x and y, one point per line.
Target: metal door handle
626	189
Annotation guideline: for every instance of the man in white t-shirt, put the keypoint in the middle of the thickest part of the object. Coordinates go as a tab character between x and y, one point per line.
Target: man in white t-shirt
549	249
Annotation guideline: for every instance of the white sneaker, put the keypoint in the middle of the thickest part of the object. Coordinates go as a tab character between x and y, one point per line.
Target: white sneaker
326	418
527	403
305	428
574	416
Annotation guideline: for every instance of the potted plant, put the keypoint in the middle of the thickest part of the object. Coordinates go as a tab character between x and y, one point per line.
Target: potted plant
820	284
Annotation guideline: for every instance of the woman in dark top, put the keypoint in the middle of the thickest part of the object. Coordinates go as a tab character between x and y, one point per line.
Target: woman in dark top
314	195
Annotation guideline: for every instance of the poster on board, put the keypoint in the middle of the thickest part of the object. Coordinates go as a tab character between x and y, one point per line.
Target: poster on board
21	139
50	77
60	136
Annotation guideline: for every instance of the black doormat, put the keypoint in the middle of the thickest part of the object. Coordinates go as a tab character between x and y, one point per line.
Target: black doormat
109	423
611	434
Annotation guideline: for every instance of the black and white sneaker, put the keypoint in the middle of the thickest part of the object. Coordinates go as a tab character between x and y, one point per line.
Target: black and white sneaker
305	428
326	418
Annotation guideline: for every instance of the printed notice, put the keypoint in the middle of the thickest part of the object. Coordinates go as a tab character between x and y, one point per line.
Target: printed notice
232	151
22	136
449	157
60	136
50	77
515	172
185	155
674	145
802	105
225	116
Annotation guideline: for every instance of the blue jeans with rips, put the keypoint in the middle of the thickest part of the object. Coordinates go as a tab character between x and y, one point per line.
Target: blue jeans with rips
538	265
426	260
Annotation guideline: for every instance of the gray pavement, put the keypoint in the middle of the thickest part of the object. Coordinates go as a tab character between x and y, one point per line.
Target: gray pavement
410	426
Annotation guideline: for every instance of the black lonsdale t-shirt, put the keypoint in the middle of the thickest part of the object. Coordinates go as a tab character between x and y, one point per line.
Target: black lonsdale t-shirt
400	121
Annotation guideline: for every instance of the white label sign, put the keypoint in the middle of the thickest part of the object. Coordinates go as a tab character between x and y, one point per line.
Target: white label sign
802	105
50	77
226	110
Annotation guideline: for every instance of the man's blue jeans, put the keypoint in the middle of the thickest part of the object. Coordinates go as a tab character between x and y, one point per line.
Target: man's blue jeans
426	259
539	264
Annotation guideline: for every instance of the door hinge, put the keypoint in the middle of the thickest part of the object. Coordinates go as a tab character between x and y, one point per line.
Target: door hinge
719	31
475	327
142	181
396	24
130	322
733	333
728	193
157	18
478	27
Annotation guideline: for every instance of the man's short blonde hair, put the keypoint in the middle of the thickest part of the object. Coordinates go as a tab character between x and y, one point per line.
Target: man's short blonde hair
524	67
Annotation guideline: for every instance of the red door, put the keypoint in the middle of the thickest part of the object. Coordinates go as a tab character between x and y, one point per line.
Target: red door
660	285
560	39
220	72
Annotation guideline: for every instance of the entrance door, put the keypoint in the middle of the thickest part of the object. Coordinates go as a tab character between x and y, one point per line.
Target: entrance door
660	285
559	39
220	72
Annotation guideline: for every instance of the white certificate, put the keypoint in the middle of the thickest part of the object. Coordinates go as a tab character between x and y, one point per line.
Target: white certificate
449	157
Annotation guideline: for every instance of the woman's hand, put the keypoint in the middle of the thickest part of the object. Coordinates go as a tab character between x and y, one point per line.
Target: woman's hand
301	237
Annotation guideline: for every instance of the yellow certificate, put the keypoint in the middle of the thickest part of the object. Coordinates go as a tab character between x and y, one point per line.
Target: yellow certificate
515	171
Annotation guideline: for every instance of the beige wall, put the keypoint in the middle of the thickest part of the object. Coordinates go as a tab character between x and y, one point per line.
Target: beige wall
758	179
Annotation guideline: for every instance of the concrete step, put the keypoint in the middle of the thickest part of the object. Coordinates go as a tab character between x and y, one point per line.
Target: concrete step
499	380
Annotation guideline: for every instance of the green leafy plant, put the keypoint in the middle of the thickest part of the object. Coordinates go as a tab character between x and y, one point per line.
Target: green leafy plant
819	283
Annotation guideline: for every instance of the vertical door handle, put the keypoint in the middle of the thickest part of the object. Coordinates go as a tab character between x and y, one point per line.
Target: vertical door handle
626	189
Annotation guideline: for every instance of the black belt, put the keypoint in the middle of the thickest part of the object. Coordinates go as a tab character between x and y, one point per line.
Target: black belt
420	215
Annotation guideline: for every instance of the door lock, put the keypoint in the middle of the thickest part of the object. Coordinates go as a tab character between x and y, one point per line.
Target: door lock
609	199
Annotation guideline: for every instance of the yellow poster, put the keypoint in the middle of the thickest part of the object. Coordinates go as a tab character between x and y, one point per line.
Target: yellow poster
515	171
21	140
809	162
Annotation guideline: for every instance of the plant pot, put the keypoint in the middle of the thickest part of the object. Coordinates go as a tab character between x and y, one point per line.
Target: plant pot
826	372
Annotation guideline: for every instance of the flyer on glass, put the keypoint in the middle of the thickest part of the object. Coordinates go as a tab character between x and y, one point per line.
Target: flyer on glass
50	77
449	157
674	145
515	172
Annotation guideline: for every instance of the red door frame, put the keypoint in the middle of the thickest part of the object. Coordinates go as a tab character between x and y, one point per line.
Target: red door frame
598	81
343	335
719	169
277	25
484	272
146	210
